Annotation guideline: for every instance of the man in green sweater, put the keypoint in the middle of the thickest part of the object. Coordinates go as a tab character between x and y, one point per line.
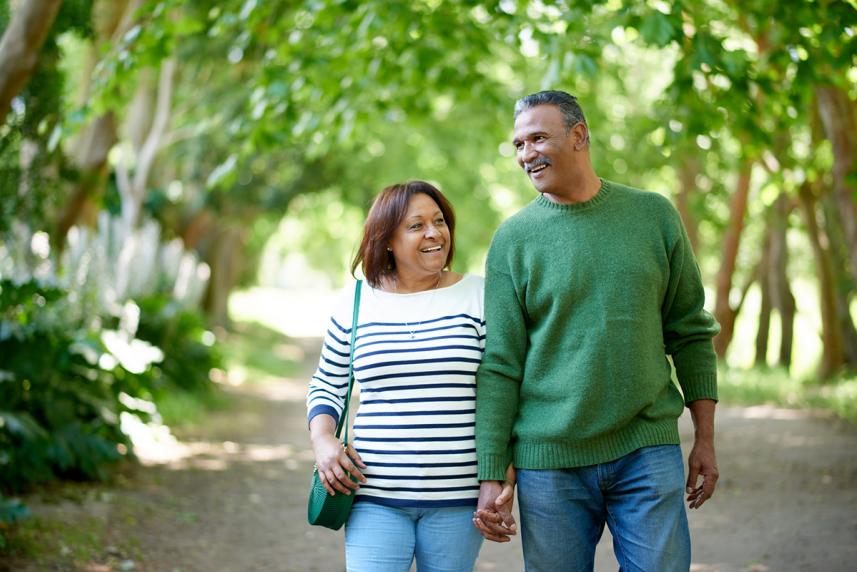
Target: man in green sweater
588	290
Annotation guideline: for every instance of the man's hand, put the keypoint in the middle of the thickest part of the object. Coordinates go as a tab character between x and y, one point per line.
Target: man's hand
493	516
702	460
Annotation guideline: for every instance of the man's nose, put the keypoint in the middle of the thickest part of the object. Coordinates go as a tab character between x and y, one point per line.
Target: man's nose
527	153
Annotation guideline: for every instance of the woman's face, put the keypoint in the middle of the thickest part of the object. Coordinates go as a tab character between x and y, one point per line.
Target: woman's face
421	241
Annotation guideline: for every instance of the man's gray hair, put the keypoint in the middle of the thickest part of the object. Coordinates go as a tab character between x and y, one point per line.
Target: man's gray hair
572	114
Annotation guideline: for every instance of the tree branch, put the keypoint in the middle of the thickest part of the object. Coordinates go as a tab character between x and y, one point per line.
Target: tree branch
20	46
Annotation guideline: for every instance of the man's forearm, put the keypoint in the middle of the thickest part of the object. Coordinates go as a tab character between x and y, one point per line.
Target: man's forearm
702	414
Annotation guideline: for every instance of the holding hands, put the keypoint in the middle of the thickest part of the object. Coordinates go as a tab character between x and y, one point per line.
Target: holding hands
493	516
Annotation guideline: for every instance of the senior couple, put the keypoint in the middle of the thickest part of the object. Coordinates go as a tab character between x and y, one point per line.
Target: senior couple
558	383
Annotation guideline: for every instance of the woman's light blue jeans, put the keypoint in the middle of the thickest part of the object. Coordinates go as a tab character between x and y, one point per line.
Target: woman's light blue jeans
640	497
386	539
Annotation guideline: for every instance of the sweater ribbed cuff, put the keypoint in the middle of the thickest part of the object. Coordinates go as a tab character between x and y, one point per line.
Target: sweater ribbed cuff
492	467
700	386
322	409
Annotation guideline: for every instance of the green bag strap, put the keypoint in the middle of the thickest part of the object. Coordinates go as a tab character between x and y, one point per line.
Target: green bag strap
343	419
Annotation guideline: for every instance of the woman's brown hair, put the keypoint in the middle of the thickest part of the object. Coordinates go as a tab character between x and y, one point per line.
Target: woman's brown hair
387	212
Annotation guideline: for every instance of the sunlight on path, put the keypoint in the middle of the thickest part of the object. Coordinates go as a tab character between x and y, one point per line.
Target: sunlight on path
295	313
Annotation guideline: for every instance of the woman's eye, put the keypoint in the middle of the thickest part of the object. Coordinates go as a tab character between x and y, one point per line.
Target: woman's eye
415	226
440	221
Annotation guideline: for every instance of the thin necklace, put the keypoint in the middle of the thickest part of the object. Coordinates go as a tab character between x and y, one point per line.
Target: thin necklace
433	289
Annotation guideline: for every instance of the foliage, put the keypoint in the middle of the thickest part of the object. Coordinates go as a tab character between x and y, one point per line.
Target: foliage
77	355
305	109
774	386
29	140
61	400
189	348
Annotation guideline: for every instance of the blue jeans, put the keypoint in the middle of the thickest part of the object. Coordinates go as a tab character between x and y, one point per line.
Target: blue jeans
386	539
639	496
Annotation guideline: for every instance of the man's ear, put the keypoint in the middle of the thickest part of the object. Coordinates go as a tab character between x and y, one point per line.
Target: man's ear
580	136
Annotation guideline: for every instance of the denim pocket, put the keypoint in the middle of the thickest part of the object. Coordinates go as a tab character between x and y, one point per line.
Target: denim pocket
663	468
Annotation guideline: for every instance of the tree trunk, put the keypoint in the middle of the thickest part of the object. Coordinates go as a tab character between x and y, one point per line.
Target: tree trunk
687	184
199	226
19	49
224	258
133	189
764	329
839	118
832	354
91	159
723	310
781	294
90	148
843	280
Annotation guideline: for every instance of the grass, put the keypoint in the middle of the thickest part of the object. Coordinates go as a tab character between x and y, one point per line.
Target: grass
776	387
260	352
252	353
181	408
51	541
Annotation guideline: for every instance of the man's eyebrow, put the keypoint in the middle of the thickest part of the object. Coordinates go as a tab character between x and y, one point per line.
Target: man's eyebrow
527	135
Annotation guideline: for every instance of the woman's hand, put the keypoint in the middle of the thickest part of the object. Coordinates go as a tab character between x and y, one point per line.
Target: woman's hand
494	517
337	466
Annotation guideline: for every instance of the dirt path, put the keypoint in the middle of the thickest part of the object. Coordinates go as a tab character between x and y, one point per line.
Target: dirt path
234	499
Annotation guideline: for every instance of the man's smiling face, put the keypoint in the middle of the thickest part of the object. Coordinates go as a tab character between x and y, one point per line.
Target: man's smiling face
545	149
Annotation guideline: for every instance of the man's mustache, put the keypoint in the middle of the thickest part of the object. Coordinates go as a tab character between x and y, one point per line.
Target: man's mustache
537	163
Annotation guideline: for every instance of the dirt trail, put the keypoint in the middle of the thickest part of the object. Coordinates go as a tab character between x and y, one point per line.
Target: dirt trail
235	501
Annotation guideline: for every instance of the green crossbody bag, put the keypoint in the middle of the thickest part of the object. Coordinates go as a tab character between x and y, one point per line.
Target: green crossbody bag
322	508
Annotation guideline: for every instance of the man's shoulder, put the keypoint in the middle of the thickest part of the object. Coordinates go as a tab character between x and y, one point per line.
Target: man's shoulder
651	201
515	230
522	219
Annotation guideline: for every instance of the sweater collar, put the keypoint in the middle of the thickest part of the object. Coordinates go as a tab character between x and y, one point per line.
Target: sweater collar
601	196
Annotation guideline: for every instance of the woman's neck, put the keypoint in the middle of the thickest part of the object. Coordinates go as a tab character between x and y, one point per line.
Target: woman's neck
409	285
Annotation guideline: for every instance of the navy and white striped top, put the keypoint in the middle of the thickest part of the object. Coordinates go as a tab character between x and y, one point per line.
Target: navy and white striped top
415	364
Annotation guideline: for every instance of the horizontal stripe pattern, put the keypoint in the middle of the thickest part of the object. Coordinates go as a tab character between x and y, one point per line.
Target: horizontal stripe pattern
415	365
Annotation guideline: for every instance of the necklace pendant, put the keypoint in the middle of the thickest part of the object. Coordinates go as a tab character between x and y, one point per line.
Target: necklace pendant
413	336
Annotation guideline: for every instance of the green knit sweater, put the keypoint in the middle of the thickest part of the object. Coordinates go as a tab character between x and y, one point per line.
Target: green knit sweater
583	304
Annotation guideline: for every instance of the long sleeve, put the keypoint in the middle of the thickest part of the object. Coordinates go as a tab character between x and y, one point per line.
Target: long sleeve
329	383
688	328
501	372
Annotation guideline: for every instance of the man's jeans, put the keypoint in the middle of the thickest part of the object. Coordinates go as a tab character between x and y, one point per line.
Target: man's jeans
387	539
639	496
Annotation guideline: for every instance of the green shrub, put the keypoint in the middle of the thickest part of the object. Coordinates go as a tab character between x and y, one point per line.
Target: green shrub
60	399
66	381
190	351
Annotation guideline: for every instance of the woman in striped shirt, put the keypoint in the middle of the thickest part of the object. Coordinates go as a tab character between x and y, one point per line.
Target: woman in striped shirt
420	337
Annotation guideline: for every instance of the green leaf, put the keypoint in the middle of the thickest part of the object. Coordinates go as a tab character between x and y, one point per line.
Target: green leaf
706	51
657	29
22	424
